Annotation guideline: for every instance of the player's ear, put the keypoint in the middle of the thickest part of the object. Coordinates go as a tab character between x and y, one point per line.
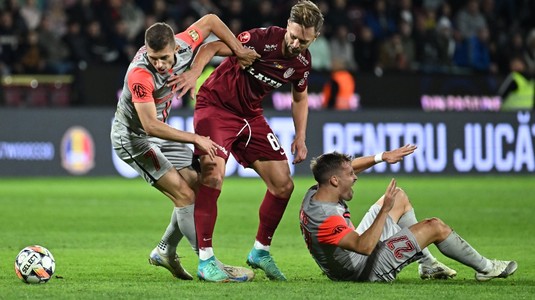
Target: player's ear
333	180
177	47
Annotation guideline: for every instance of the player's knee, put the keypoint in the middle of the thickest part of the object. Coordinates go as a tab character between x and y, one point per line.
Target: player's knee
183	197
283	190
439	227
214	181
402	197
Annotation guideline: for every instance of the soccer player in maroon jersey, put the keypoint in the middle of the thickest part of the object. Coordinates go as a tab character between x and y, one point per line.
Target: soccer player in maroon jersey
388	238
229	111
141	137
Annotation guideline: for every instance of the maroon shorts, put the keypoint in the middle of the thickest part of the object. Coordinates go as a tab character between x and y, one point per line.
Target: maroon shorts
248	139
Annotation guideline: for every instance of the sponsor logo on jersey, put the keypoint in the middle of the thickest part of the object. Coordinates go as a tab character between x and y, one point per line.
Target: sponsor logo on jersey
303	60
277	65
264	78
289	72
244	37
269	48
77	151
193	34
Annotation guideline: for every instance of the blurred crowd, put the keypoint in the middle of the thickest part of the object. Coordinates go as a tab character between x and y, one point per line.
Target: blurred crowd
449	36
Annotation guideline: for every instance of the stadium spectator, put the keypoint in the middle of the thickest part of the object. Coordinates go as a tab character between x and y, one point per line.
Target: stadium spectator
9	42
31	56
57	52
469	20
380	21
366	50
518	89
229	110
474	52
157	151
100	49
388	238
529	53
320	51
339	90
31	13
341	46
335	16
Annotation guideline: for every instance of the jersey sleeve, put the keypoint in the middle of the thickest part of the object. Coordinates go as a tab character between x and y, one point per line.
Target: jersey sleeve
301	84
332	230
141	85
191	36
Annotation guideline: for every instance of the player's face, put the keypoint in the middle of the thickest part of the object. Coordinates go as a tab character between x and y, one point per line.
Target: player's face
297	38
346	180
162	60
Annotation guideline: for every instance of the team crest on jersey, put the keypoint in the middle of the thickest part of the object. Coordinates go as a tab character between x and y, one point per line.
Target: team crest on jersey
193	34
244	37
289	72
269	48
140	90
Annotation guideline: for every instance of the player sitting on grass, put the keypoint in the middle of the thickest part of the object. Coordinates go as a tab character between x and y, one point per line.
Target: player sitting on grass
388	238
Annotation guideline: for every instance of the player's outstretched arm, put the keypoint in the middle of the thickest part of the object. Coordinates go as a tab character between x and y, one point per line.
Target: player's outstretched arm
360	164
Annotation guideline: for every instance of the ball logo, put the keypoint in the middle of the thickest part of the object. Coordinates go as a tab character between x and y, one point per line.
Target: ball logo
244	37
77	151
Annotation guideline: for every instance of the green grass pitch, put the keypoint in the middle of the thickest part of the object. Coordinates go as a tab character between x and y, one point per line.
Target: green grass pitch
101	231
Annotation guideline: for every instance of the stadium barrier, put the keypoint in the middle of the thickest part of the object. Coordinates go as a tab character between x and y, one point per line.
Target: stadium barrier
62	142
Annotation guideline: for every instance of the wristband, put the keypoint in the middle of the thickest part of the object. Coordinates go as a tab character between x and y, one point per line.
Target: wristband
378	157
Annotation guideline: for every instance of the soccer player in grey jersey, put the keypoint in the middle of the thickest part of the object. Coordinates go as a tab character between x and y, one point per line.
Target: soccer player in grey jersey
388	238
141	137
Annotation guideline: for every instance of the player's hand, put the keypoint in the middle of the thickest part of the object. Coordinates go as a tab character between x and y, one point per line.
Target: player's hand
185	82
246	57
390	195
299	151
206	145
397	155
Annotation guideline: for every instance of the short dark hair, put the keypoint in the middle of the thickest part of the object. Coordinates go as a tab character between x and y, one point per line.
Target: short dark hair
159	35
307	14
326	165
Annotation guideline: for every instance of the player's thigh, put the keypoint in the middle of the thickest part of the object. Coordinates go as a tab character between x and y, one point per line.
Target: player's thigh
389	229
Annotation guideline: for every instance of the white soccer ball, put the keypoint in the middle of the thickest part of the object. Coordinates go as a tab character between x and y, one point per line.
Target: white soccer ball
35	264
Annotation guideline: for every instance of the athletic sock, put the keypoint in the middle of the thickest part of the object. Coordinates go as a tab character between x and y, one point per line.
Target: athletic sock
407	220
259	246
186	223
206	253
205	213
171	237
458	249
271	211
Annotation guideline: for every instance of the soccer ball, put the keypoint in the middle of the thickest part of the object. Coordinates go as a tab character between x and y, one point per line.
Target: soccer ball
35	264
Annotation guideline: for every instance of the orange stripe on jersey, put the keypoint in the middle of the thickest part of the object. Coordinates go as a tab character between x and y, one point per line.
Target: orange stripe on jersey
192	36
141	85
332	230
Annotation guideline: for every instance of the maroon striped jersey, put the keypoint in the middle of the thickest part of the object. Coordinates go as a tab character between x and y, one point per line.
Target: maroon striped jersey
242	91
